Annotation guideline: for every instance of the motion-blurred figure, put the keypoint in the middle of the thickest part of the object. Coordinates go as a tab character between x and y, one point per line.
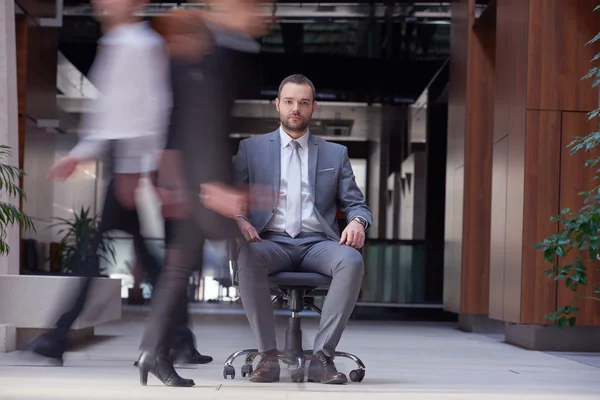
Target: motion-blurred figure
195	177
128	125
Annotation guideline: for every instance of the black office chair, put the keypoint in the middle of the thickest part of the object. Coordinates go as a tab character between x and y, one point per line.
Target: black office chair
297	289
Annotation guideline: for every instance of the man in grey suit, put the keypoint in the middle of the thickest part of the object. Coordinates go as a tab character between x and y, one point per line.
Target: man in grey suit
294	227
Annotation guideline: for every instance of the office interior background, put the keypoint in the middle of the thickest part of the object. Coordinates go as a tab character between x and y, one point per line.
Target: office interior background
354	53
456	116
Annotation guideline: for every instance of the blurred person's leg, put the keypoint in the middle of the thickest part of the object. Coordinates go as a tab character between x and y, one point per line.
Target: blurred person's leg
54	343
183	347
164	319
126	157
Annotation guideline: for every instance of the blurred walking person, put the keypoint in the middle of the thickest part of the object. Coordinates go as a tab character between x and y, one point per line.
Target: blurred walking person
195	178
127	126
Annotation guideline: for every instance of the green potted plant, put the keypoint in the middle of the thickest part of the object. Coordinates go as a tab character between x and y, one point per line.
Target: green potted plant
9	213
81	233
579	231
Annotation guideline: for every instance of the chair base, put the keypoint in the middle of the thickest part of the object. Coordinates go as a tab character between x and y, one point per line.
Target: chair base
296	363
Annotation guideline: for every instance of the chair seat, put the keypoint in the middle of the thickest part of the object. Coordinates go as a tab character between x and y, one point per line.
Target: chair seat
309	279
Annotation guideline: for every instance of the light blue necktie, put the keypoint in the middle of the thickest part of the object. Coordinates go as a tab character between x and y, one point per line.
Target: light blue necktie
293	215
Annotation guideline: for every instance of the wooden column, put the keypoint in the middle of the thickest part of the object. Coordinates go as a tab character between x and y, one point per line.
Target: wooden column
37	57
508	159
540	105
469	164
21	30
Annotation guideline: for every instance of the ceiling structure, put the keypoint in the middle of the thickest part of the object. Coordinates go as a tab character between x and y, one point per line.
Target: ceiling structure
353	51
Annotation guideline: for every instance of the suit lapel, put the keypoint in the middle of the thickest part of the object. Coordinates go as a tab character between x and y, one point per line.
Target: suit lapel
313	156
275	158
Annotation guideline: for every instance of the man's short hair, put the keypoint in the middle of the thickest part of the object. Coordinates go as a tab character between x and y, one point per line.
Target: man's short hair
298	79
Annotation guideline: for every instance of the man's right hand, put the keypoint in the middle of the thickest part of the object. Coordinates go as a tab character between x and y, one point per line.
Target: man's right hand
63	168
249	232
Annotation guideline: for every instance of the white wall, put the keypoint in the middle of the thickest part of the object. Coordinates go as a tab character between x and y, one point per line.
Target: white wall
359	166
47	201
9	130
77	192
38	158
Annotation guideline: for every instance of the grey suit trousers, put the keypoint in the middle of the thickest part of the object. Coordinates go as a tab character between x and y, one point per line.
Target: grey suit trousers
310	252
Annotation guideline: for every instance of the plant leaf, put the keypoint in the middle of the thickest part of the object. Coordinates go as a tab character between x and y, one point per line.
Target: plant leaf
594	39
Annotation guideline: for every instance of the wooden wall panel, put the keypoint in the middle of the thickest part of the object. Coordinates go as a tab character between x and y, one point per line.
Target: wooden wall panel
542	172
457	100
21	33
457	103
478	171
558	57
453	249
498	235
515	193
469	165
574	178
511	67
42	66
509	137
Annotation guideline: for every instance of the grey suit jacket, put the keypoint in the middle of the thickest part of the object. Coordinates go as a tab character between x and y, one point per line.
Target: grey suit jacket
332	182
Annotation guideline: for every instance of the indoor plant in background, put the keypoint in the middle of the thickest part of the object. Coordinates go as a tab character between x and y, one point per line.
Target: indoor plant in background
80	234
9	213
579	231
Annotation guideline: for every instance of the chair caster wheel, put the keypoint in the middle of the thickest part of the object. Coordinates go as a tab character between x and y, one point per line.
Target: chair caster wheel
228	370
298	375
357	375
247	370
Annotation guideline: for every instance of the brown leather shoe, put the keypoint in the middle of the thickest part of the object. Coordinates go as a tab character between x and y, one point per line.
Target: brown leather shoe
322	370
267	370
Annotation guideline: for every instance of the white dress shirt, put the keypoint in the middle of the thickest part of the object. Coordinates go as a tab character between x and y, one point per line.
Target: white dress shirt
310	223
131	72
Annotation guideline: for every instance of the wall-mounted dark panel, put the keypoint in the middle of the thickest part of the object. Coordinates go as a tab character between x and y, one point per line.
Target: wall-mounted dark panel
38	8
42	64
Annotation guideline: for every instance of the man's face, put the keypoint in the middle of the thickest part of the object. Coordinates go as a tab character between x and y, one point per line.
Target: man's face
115	11
295	105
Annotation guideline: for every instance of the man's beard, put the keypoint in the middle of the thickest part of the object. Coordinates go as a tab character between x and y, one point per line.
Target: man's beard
295	126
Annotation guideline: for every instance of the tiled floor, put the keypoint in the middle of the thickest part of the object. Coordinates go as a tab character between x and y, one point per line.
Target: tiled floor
404	361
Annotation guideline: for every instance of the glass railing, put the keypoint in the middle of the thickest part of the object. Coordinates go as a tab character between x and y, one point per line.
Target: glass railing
394	272
397	272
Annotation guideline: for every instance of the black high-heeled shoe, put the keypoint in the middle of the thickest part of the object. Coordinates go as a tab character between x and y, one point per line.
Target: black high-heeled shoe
161	367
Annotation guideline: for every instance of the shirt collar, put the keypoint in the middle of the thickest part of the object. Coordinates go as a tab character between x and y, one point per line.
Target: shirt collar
286	139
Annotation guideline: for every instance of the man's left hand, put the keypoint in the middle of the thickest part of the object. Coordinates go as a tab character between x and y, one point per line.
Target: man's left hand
353	235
